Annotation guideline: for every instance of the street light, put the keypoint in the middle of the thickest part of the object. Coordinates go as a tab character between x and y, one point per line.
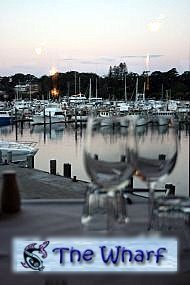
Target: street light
54	91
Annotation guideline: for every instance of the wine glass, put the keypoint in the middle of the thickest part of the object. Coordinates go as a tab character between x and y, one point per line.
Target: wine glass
107	155
157	155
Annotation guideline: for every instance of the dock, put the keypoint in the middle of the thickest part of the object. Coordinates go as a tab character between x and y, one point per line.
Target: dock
62	218
37	184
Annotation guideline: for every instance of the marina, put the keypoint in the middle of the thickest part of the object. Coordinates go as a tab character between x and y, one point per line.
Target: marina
94	142
44	168
146	111
64	143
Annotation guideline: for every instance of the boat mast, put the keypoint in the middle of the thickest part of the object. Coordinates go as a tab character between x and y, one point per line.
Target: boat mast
125	90
90	90
96	88
19	89
147	83
30	91
136	90
79	84
68	89
75	83
162	92
144	90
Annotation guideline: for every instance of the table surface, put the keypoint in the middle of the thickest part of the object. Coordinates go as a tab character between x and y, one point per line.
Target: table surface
48	218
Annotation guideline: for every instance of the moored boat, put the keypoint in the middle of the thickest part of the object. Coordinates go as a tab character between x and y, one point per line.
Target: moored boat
52	112
5	118
18	148
163	117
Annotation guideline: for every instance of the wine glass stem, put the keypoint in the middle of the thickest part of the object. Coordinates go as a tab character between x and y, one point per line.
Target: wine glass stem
110	209
150	204
117	209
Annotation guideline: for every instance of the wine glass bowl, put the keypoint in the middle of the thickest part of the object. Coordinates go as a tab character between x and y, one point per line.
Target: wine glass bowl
107	158
157	156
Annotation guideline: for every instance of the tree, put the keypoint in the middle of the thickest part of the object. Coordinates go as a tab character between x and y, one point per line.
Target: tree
45	85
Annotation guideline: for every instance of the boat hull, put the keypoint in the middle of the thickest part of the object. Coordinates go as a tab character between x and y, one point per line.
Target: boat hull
163	120
18	150
5	121
137	120
38	119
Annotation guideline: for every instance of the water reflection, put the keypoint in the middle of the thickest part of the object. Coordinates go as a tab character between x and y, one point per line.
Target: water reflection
65	144
6	131
163	129
55	132
140	130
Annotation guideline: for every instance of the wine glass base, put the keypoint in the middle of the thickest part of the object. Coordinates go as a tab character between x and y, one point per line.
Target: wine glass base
85	219
104	212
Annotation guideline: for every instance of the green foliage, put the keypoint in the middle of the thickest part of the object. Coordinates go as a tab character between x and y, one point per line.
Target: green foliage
110	86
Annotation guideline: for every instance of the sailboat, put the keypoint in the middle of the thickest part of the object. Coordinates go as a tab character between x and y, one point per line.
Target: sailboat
94	100
140	116
165	116
53	111
77	98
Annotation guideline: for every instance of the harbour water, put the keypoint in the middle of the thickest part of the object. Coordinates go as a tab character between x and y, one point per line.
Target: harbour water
65	144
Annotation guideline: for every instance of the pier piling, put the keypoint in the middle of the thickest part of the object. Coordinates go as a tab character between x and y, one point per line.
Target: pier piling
22	123
44	123
67	170
96	157
53	166
16	125
30	161
162	156
170	189
123	158
74	178
50	124
131	183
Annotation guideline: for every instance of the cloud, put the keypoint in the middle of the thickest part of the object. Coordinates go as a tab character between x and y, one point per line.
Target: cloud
156	55
89	62
106	59
156	24
70	59
142	56
23	66
38	50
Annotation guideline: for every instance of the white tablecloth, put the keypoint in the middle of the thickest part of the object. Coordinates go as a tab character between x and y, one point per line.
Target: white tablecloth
62	218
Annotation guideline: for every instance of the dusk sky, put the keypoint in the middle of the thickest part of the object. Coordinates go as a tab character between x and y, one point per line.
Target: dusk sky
90	35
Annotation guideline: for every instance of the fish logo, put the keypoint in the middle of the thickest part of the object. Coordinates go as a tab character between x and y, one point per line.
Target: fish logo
32	256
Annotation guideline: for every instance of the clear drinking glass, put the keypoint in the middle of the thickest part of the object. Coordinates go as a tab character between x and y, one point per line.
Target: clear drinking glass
107	159
157	155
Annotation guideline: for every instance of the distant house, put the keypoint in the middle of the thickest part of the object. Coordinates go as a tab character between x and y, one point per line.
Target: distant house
24	89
